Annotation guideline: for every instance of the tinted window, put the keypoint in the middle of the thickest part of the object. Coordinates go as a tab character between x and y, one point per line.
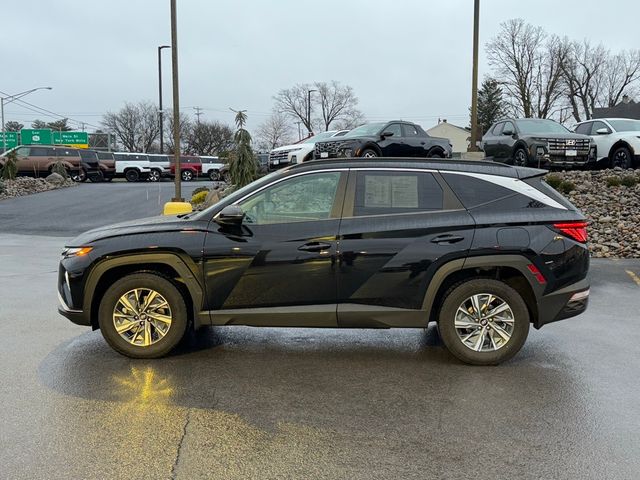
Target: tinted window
85	155
300	199
597	126
41	152
410	130
22	152
473	191
497	129
379	193
66	152
584	128
395	129
508	126
158	158
105	156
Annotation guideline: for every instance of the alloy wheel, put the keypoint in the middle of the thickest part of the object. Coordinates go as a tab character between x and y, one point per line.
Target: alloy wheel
484	322
621	159
187	175
142	317
520	158
154	176
369	154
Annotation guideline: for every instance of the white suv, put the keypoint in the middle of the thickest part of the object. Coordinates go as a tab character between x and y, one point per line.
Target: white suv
299	152
617	140
132	166
211	166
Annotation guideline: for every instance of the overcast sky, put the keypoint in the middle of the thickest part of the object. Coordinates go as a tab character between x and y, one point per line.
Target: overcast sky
408	59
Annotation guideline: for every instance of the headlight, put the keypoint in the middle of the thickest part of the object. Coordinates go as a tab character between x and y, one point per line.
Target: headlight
76	251
295	149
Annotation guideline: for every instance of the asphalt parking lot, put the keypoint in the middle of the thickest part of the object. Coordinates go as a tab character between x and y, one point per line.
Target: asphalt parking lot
238	402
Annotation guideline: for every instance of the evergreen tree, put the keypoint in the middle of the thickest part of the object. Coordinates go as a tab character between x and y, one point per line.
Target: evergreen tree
242	163
491	104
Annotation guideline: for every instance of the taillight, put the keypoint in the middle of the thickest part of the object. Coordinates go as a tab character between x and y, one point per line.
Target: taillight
574	230
537	274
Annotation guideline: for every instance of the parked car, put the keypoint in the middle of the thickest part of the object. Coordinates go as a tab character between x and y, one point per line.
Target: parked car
107	164
160	166
190	167
132	166
616	140
388	139
90	167
299	152
38	160
538	142
211	166
482	249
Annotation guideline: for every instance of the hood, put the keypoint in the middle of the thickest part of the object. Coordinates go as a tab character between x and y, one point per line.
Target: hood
289	147
161	223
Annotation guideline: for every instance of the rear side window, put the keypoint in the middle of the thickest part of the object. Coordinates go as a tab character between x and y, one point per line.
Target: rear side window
65	152
392	192
105	156
41	152
410	130
473	191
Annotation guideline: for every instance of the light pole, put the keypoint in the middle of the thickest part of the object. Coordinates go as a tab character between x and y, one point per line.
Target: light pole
309	111
474	79
160	112
176	101
11	98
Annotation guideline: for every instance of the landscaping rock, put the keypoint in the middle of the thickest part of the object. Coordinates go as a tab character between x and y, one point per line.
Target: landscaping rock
55	179
26	186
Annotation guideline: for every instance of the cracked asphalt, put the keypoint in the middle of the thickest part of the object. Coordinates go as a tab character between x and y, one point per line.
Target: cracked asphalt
239	402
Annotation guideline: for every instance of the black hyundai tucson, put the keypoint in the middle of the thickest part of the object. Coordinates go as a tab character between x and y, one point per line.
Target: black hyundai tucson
483	250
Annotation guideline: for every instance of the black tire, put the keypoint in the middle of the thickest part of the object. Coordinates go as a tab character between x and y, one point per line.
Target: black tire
520	157
132	175
457	295
369	153
214	175
621	157
108	179
436	154
186	175
164	287
80	176
96	177
226	178
155	175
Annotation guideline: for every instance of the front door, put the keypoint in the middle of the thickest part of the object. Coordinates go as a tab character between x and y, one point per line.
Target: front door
283	259
394	145
398	227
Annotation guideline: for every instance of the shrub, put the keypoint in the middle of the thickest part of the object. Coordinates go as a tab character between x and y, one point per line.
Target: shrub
566	187
200	189
553	181
613	181
10	169
60	169
629	181
199	197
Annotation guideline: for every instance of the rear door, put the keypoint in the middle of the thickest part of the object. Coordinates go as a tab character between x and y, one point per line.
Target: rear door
415	141
490	140
398	227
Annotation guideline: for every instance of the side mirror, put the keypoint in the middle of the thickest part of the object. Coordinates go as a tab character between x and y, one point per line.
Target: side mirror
507	133
230	215
384	135
603	131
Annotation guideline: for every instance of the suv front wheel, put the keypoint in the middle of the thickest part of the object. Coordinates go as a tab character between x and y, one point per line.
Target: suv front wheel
143	315
483	321
187	175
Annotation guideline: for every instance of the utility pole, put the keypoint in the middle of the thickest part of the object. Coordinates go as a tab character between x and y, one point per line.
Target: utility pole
9	99
198	113
473	147
160	112
309	111
176	101
299	133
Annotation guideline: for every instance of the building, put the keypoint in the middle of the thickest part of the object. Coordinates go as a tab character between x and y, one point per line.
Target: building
625	109
458	137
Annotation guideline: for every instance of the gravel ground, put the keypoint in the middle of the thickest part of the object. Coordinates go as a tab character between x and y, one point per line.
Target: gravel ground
22	186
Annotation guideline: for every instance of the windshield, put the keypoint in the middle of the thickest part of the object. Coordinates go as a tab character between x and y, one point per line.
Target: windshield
320	136
537	125
206	213
365	130
625	125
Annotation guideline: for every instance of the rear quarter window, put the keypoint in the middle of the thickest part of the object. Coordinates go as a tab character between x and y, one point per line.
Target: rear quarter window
473	191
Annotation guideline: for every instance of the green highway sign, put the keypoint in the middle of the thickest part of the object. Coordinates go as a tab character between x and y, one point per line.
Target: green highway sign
35	137
8	140
70	138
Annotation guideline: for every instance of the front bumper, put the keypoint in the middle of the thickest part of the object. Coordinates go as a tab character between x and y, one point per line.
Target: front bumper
543	157
67	306
567	302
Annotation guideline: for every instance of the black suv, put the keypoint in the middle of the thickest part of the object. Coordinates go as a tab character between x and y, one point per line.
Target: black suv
385	139
482	249
537	142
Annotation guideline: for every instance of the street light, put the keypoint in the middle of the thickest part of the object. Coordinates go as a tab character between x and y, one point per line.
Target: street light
309	111
160	112
11	98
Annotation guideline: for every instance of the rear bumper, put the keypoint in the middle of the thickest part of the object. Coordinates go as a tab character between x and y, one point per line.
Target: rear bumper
567	302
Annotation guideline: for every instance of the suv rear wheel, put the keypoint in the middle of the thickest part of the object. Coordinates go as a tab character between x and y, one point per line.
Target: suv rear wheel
187	175
520	157
369	153
143	315
483	321
79	176
132	175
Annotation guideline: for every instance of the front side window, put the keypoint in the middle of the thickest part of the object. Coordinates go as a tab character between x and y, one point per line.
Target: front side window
508	126
305	198
392	192
597	126
497	129
395	129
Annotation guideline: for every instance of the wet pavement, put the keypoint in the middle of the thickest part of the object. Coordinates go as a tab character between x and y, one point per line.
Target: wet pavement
239	402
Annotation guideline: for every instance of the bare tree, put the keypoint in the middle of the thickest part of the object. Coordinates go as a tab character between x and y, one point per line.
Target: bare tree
621	77
209	138
186	126
135	125
333	101
274	132
529	66
12	126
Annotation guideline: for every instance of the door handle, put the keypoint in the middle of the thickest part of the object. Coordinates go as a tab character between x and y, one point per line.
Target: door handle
448	239
422	143
314	247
